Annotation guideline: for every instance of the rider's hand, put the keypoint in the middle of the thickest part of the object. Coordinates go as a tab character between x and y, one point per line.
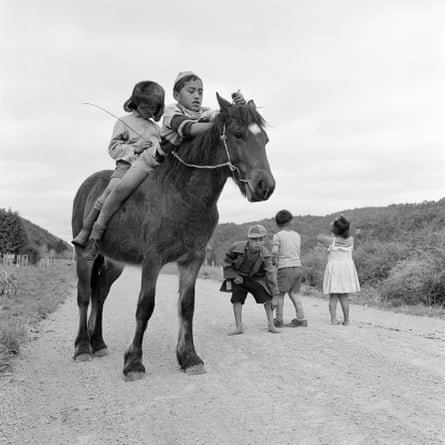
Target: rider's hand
238	98
238	280
144	145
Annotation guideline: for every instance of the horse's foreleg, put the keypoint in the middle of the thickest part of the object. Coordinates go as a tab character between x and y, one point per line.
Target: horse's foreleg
82	348
133	366
101	282
187	357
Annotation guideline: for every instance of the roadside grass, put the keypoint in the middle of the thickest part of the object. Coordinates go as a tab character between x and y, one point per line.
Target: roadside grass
33	293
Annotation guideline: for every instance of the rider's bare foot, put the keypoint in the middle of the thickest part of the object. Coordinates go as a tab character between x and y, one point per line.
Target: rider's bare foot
346	323
335	322
273	329
237	331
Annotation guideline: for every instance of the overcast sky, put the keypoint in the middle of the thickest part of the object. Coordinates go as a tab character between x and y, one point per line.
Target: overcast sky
353	92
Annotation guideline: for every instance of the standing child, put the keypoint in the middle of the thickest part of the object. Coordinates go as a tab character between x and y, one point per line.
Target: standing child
340	276
286	249
247	267
135	135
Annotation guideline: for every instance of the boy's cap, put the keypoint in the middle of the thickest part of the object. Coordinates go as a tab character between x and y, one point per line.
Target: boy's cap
256	231
181	76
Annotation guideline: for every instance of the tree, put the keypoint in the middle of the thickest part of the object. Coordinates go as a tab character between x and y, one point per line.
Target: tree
13	237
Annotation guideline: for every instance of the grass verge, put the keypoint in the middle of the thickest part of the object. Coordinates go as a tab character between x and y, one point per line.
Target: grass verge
33	294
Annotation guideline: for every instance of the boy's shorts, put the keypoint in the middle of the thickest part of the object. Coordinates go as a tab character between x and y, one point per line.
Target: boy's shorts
240	291
289	279
121	169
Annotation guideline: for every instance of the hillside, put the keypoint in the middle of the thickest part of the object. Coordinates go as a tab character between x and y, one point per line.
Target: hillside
396	222
21	236
41	237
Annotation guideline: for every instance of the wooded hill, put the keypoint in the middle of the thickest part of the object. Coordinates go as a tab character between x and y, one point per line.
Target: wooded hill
396	222
20	236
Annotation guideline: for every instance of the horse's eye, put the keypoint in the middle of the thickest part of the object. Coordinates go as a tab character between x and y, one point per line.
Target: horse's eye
238	135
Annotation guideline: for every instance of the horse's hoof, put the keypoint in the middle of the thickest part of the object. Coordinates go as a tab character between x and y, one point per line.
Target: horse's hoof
196	370
133	376
84	357
101	352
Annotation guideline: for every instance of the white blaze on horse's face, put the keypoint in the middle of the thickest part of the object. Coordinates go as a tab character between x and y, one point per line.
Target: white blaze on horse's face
254	129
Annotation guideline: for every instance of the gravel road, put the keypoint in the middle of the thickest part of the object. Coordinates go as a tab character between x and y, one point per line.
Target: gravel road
380	380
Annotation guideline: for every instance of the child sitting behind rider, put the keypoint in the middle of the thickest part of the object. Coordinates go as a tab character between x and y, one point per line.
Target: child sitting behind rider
134	135
184	119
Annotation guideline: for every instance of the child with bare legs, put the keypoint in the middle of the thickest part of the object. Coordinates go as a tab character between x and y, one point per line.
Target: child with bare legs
247	269
286	255
340	276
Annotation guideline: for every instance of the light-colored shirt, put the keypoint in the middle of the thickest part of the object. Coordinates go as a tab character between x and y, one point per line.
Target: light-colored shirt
128	133
286	246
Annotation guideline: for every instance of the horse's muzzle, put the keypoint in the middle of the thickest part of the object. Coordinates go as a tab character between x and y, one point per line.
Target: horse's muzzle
261	188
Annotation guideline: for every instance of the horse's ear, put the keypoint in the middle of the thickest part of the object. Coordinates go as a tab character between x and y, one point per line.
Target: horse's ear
223	104
251	104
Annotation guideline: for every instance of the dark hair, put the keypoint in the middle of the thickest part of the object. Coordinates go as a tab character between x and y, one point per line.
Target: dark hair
283	217
180	83
147	92
340	227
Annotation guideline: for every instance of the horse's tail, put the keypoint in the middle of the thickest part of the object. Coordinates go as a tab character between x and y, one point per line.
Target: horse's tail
86	195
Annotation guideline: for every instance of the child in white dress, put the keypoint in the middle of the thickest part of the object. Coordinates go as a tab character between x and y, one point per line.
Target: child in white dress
340	276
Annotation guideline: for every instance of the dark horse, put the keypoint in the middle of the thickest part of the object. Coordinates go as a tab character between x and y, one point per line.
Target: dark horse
170	217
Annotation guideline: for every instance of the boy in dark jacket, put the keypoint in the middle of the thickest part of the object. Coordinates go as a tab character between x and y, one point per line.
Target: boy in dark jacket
247	267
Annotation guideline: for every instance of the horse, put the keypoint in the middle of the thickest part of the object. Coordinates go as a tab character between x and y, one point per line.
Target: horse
170	217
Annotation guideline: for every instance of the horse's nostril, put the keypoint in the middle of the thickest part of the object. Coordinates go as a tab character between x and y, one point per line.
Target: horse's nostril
262	189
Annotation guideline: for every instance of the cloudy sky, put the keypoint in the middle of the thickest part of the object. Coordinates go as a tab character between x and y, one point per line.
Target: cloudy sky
353	92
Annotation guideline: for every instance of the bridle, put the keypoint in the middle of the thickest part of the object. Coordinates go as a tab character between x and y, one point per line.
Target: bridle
236	173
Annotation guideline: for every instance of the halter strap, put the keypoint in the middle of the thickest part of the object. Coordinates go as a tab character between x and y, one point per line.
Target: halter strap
233	168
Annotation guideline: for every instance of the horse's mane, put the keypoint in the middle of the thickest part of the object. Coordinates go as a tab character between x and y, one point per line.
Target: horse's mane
203	149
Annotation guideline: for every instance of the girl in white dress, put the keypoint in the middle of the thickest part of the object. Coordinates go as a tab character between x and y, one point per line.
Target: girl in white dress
340	276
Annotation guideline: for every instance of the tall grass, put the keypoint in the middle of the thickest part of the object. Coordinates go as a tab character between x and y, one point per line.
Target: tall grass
39	291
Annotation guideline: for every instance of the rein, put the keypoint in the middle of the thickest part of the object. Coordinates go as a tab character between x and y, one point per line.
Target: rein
233	168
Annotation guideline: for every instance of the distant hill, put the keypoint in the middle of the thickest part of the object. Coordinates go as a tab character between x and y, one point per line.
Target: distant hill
19	236
42	238
395	222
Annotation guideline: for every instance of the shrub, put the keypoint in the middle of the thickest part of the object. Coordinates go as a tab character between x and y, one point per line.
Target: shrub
314	263
420	279
374	260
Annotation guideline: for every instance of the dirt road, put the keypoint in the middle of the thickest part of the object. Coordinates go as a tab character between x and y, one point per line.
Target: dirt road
380	380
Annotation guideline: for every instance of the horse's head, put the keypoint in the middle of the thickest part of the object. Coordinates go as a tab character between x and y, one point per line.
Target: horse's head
244	137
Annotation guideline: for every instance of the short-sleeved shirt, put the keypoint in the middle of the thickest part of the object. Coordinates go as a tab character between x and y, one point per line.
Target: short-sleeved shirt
287	245
128	133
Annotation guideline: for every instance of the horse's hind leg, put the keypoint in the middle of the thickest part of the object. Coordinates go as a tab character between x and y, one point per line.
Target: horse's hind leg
187	357
105	273
133	366
82	348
